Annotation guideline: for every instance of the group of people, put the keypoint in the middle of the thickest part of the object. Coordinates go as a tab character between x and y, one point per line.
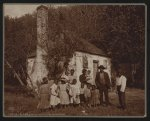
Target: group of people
67	92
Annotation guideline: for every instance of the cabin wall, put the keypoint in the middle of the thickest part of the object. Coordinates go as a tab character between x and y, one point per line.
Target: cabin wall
77	64
35	71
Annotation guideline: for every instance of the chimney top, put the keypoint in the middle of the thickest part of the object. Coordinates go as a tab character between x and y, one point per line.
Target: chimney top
42	6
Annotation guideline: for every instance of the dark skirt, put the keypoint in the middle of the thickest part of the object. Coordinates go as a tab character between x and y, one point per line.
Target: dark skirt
82	98
44	101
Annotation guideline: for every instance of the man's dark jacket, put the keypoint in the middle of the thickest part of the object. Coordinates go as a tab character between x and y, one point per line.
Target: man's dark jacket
98	81
82	78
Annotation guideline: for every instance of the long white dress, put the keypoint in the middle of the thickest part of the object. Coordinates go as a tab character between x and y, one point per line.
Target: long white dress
54	100
64	97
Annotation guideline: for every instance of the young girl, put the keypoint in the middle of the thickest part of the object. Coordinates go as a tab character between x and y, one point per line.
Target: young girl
75	99
64	97
95	96
87	94
44	95
54	99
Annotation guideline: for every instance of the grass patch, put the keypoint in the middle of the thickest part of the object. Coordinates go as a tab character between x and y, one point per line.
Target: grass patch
16	104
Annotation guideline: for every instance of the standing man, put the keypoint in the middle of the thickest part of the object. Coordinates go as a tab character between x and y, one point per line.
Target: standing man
121	85
102	81
83	77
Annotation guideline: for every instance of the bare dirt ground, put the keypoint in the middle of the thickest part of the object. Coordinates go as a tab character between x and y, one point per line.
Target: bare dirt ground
20	105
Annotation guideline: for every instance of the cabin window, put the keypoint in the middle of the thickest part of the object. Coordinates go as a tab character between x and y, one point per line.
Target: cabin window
85	62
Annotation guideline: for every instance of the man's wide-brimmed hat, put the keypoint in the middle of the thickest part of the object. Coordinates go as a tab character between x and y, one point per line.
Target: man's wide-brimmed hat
101	67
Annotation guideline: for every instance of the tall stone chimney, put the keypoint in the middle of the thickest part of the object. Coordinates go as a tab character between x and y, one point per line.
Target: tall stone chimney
39	68
42	26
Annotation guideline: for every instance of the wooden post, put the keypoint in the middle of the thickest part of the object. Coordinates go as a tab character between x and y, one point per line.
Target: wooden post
15	73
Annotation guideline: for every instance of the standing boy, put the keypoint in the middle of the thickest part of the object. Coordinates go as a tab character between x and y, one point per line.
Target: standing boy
121	85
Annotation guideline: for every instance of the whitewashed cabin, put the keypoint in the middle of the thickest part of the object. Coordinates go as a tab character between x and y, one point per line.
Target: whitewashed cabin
86	56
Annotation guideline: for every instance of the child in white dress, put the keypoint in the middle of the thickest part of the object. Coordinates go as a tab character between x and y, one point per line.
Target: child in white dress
75	91
54	99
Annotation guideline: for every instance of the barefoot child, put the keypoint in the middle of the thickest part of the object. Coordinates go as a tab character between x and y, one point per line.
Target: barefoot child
95	96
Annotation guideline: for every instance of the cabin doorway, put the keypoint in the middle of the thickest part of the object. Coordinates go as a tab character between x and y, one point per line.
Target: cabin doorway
95	69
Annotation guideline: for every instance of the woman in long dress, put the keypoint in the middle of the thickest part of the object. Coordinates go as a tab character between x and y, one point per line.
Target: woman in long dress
64	97
43	95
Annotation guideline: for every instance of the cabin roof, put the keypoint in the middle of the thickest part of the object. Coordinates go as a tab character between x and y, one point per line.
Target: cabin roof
42	6
90	48
32	54
84	46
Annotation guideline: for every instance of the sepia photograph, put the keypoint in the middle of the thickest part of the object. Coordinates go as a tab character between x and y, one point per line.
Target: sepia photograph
74	60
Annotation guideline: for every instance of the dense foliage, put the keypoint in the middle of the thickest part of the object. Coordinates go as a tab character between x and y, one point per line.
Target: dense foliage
118	29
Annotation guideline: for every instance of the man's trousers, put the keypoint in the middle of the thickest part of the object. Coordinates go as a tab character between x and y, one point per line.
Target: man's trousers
121	96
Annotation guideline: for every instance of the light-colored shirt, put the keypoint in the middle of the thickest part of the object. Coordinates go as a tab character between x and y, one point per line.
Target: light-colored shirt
89	79
75	89
118	82
82	90
71	77
121	81
53	89
87	92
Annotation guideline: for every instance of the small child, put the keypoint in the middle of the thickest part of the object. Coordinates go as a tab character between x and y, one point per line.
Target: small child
87	94
82	94
54	99
64	97
95	96
75	99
